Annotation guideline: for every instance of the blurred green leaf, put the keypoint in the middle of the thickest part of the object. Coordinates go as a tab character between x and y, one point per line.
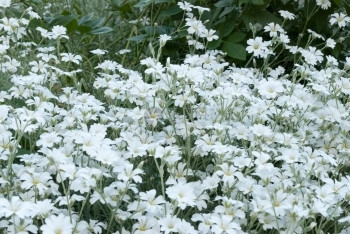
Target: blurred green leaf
34	23
95	23
101	30
72	26
227	11
243	2
234	50
337	49
264	17
162	1
84	29
223	3
143	3
158	30
86	18
171	10
61	19
138	38
226	27
236	37
257	2
214	44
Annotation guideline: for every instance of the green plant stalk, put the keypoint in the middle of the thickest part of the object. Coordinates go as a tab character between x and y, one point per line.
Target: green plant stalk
161	173
81	210
114	211
127	46
66	193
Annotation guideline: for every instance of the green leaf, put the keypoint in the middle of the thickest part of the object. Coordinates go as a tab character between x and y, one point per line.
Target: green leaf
95	23
226	11
171	10
236	37
138	38
243	2
152	30
143	3
336	51
226	27
122	6
86	18
258	2
72	26
212	45
101	30
84	29
234	50
161	1
338	2
164	30
223	3
77	8
264	17
62	20
22	151
34	23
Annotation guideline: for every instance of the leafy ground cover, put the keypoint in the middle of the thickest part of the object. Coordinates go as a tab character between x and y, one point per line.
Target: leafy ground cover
133	140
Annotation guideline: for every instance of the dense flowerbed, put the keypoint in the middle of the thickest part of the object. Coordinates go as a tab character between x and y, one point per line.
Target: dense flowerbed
197	147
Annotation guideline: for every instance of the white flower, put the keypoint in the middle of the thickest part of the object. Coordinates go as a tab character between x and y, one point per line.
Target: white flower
57	224
258	47
284	38
3	48
4	110
287	15
325	4
5	3
107	65
146	224
330	43
11	65
14	207
37	180
270	88
312	56
98	51
10	25
332	61
185	6
33	14
169	224
123	51
69	57
289	155
224	224
201	9
152	202
58	32
273	29
43	208
48	139
315	34
261	130
209	35
195	26
183	194
340	18
163	39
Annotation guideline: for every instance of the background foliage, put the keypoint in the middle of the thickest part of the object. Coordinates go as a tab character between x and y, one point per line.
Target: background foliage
112	25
